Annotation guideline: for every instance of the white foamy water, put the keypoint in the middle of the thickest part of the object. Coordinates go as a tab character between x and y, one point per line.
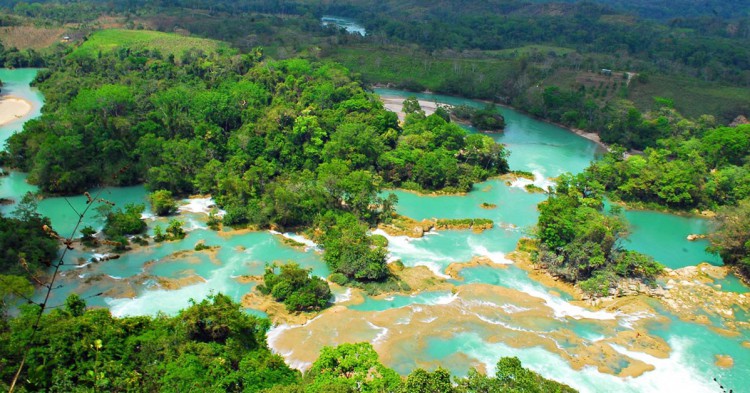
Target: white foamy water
155	300
400	247
200	205
444	299
562	308
675	374
512	308
309	244
539	181
343	297
495	256
382	333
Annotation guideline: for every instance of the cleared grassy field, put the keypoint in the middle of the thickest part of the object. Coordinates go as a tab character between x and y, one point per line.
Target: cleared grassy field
399	65
693	97
528	49
30	37
174	44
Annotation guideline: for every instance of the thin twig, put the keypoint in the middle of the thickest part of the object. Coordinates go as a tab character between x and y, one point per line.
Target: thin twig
60	262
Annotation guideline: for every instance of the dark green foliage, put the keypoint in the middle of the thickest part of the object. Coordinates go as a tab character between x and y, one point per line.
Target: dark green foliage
13	290
695	168
25	246
277	143
211	346
485	119
488	119
581	244
121	222
731	236
350	251
295	287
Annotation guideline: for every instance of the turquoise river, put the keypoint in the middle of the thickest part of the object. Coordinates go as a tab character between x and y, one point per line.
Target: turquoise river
471	319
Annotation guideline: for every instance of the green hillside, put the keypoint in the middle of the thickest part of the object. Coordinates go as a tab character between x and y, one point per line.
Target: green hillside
168	44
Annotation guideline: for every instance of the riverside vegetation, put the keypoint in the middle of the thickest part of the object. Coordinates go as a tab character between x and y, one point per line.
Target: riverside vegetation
299	143
210	346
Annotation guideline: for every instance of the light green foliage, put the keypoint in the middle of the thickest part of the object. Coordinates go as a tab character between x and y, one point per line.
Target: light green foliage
162	202
295	287
213	345
75	305
354	366
175	231
411	106
421	381
510	377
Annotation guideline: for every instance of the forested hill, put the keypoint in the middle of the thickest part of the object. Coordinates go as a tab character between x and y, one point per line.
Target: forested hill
238	126
670	9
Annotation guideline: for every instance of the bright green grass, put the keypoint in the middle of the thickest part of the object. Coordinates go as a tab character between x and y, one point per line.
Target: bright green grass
168	44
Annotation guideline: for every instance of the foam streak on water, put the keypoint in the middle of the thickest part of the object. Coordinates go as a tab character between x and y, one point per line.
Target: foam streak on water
539	181
200	205
402	246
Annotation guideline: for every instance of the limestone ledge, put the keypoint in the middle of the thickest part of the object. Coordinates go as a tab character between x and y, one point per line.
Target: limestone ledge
405	226
690	293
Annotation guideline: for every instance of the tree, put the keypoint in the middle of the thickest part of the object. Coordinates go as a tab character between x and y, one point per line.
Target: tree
75	305
411	106
175	231
731	235
295	287
421	381
162	202
349	251
354	366
121	222
12	290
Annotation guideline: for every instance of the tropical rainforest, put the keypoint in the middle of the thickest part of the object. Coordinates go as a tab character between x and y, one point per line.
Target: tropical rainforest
269	111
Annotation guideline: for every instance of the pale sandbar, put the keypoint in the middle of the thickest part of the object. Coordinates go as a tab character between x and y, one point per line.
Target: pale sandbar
13	108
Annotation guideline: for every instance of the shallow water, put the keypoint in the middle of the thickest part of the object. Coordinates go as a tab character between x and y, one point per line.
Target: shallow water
16	83
492	311
351	25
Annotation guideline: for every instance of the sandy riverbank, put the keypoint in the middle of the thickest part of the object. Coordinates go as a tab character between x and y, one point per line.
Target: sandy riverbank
13	108
396	104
